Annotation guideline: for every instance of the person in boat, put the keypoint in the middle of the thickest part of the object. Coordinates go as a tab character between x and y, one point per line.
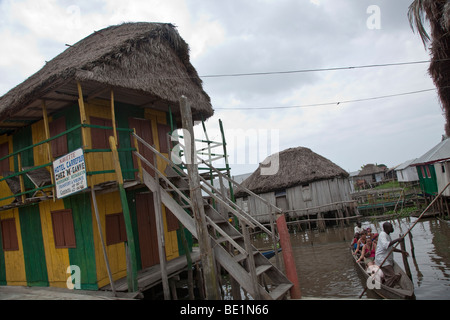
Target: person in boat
383	253
368	252
361	242
358	228
355	241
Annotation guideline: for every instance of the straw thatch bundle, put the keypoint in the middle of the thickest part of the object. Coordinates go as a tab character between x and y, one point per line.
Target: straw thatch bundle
138	60
437	13
297	166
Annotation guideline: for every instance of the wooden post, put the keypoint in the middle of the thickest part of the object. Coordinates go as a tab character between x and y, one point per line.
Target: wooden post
48	144
136	145
206	252
288	256
132	270
405	258
274	238
82	115
113	117
102	240
21	181
160	235
251	261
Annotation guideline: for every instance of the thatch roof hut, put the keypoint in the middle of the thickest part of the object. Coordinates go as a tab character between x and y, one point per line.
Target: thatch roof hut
297	166
146	64
305	184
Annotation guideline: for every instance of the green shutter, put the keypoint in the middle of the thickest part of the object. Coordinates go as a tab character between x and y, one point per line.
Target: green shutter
33	246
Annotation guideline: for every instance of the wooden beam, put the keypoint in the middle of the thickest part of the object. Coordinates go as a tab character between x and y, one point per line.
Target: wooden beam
49	146
160	235
132	270
22	184
102	240
82	115
113	117
206	253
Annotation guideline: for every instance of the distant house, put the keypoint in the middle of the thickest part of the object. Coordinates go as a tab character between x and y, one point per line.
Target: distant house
305	184
352	179
407	173
433	169
372	173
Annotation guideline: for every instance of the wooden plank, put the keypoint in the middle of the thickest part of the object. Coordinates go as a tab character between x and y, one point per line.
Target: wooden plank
102	240
160	233
171	204
208	261
132	273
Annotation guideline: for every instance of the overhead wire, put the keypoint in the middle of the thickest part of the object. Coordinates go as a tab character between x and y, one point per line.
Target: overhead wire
337	103
315	70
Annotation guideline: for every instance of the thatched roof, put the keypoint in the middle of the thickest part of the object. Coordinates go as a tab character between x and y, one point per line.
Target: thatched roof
147	64
371	169
297	166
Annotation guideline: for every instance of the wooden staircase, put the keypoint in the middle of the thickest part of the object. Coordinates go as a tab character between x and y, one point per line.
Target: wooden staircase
232	249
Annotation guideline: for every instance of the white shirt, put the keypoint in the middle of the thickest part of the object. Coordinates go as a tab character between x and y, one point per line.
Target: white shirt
358	229
383	250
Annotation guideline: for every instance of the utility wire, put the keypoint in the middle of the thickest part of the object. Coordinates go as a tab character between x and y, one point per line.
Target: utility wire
315	70
327	103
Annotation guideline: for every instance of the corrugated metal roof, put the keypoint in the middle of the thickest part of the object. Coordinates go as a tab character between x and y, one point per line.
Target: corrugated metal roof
438	153
405	164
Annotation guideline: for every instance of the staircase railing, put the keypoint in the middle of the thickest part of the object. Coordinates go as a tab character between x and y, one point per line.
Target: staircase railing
208	188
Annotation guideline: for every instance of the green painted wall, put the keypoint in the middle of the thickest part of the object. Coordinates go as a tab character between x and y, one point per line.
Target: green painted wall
2	262
33	246
427	184
84	254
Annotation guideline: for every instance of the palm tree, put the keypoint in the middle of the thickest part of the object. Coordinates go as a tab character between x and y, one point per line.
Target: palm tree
437	13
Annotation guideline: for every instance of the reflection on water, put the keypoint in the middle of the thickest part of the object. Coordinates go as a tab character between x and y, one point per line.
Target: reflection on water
326	269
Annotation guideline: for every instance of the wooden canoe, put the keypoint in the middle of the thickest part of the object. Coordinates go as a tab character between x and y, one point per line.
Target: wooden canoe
404	289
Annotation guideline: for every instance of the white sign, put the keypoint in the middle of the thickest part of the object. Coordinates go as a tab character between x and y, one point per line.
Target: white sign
70	173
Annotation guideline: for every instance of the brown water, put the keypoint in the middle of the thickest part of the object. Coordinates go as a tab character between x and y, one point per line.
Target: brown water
326	269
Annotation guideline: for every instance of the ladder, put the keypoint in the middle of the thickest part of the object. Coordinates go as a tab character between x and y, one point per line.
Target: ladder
232	248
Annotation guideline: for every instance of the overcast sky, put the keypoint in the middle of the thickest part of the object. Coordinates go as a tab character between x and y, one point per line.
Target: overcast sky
263	36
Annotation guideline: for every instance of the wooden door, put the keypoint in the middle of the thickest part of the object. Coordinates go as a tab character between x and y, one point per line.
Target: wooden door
144	130
148	241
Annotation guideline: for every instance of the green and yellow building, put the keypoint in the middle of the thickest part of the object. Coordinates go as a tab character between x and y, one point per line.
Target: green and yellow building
118	80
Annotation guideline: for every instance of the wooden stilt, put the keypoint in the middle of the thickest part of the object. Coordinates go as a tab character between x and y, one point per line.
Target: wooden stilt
48	144
132	270
206	253
160	236
102	240
288	257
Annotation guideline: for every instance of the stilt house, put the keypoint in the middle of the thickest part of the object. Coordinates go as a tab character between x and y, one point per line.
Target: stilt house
305	186
121	79
433	169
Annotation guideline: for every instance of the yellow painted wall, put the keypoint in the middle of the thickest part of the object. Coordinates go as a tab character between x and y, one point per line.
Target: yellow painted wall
98	161
14	260
57	259
4	189
108	203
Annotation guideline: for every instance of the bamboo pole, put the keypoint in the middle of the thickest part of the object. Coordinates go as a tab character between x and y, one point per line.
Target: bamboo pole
407	232
288	257
49	147
21	181
102	240
113	118
206	253
132	270
83	118
160	235
136	145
